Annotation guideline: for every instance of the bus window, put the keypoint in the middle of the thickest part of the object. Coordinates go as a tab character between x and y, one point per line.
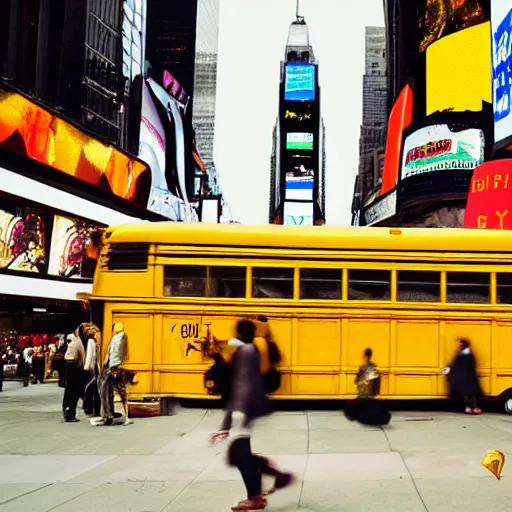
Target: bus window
228	282
468	287
504	288
369	284
320	283
185	281
418	286
272	283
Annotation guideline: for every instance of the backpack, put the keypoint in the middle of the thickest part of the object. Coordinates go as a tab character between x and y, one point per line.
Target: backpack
272	380
217	379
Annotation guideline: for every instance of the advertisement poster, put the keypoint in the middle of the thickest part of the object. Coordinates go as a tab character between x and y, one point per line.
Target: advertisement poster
300	184
437	148
501	23
22	242
299	82
490	197
299	141
382	210
298	214
68	252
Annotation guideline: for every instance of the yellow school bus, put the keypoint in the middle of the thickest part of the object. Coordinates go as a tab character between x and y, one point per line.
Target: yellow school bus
328	294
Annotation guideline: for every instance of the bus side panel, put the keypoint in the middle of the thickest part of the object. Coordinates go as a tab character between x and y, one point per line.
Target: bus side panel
318	357
416	357
501	357
138	328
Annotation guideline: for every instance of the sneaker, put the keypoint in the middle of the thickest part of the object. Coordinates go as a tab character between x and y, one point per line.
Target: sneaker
282	480
477	411
257	503
71	420
469	410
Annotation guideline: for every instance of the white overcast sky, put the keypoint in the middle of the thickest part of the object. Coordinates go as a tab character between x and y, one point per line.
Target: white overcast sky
252	39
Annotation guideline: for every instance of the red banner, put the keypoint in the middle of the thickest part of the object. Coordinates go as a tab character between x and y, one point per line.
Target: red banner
490	197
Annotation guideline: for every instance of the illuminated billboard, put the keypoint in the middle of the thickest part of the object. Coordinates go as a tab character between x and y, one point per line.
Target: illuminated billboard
459	71
501	21
30	130
298	214
490	197
299	141
437	148
300	185
300	83
382	209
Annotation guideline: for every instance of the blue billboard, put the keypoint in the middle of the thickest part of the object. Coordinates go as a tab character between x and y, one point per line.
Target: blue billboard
501	20
300	82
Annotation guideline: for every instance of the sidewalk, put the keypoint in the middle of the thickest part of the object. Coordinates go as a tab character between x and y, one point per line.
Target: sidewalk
422	461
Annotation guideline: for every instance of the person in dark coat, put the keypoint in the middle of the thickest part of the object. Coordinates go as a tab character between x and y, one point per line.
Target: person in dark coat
366	408
463	378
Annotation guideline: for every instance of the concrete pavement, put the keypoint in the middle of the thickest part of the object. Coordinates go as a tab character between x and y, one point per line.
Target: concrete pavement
422	461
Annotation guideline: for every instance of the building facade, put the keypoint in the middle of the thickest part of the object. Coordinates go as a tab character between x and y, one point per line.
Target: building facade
297	188
375	112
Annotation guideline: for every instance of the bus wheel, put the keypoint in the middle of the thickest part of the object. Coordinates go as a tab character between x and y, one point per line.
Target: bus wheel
506	401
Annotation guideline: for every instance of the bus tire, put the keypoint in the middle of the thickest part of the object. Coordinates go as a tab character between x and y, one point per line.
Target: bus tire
167	406
506	401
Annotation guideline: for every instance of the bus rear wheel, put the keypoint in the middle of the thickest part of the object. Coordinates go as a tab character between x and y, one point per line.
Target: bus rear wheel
506	402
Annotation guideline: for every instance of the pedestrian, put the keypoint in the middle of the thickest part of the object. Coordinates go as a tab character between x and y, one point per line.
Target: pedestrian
26	365
116	355
367	408
92	402
247	401
74	360
463	378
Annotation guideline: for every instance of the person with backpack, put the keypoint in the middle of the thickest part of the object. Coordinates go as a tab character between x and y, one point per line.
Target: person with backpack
247	401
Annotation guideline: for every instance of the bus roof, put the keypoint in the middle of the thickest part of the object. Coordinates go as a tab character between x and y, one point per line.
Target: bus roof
318	237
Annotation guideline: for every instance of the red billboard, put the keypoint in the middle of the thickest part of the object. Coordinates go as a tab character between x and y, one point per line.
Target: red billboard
490	197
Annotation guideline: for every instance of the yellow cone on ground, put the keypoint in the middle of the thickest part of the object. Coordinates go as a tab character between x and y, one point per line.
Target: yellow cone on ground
494	461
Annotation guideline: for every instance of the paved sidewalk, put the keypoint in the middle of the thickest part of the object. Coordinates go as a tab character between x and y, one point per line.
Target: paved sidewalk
422	461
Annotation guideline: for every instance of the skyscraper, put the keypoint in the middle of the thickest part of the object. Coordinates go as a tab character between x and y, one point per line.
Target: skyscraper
375	111
297	188
205	88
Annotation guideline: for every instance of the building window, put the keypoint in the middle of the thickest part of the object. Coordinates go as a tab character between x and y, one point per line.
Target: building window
417	286
468	287
504	288
228	282
273	283
320	284
369	285
185	281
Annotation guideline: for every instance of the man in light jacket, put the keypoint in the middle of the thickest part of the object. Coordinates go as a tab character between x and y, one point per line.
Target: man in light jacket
74	359
116	354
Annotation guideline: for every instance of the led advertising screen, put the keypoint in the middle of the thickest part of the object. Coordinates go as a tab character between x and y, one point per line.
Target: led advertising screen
69	255
490	197
501	22
32	131
458	71
298	214
22	242
299	141
300	184
381	210
300	82
437	148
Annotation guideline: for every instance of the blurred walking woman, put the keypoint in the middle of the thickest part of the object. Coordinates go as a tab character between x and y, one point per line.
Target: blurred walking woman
74	358
366	408
463	379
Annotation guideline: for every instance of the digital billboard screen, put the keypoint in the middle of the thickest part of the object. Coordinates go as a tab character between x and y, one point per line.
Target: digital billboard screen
299	141
438	148
300	184
298	214
501	23
458	77
300	82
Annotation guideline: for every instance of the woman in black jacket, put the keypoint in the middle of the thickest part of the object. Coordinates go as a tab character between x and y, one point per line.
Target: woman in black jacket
463	378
